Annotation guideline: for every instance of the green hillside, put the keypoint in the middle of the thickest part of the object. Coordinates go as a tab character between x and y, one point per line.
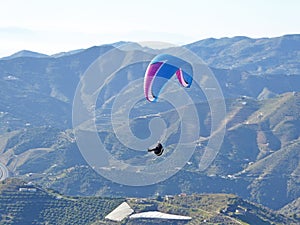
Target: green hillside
25	203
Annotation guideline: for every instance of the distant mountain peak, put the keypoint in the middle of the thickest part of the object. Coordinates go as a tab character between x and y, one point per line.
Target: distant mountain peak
26	53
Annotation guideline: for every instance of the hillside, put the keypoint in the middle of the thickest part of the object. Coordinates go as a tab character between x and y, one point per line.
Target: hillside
292	209
53	160
259	157
22	202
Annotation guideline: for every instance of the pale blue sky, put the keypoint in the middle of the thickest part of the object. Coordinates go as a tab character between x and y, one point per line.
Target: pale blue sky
62	25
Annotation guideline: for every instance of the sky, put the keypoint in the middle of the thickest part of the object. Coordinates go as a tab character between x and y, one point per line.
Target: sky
53	26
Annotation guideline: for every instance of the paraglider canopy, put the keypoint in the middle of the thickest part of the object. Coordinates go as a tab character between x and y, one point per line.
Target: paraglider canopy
161	69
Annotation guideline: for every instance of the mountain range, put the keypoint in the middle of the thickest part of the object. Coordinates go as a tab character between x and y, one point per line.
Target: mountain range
258	160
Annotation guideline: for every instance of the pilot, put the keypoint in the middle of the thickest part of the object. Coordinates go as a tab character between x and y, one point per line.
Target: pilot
158	150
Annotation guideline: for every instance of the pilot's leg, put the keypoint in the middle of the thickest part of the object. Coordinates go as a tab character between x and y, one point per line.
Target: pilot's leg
151	150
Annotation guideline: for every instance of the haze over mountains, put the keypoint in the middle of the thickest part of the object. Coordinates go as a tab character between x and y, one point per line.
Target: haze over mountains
259	158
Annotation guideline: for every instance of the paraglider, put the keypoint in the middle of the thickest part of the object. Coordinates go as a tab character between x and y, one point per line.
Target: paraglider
158	150
160	70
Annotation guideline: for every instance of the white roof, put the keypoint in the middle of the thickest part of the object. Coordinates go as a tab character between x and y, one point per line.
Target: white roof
119	213
159	215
